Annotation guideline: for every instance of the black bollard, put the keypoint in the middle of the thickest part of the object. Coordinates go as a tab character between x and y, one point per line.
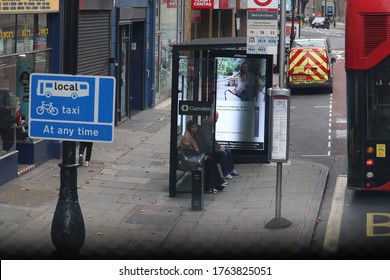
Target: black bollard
68	230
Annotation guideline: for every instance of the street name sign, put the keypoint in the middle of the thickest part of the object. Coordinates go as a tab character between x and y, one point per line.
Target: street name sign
74	108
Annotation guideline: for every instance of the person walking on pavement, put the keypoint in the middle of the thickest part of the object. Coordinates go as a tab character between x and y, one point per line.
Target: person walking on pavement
222	154
83	146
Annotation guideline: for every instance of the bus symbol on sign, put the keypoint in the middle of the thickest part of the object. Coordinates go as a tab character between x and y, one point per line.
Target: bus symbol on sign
69	107
74	90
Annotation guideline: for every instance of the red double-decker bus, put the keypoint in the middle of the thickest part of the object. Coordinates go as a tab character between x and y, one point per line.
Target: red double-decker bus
368	94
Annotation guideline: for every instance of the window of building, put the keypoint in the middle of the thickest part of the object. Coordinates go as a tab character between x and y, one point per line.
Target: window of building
23	50
24	33
7	34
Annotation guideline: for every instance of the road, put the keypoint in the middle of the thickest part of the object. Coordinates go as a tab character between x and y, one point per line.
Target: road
347	225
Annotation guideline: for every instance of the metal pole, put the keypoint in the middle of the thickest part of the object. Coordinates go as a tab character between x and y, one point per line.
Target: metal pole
325	9
68	230
282	43
278	221
278	201
292	33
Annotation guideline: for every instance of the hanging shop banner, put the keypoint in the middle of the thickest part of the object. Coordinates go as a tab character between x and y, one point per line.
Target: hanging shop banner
29	6
202	4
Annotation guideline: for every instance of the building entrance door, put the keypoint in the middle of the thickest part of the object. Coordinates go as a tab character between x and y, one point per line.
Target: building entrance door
123	98
137	65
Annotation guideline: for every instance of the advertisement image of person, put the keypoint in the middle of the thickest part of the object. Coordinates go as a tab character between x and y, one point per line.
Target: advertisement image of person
247	84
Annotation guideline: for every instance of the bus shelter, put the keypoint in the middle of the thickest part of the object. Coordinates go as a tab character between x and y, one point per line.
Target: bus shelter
217	75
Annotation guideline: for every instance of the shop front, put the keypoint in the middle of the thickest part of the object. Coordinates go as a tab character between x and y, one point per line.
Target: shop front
31	42
133	61
25	29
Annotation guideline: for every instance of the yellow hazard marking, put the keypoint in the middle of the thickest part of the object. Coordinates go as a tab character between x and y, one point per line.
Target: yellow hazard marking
372	227
312	65
381	150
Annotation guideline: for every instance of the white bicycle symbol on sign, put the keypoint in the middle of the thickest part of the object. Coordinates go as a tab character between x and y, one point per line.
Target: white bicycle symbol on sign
48	107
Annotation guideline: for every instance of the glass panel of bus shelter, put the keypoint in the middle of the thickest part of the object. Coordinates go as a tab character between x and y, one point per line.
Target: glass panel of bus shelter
195	83
191	87
378	106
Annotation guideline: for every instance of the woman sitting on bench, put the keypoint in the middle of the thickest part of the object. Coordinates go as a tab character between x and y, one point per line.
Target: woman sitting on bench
213	180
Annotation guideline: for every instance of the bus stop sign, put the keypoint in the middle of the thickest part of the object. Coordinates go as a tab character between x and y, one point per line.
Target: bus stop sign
67	107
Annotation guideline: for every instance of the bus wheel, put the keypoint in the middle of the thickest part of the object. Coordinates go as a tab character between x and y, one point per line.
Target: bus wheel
48	94
74	95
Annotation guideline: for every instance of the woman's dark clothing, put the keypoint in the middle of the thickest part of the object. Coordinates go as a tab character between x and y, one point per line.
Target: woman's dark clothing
88	146
212	176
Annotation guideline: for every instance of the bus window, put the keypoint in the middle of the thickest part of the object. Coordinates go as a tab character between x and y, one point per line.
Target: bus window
378	106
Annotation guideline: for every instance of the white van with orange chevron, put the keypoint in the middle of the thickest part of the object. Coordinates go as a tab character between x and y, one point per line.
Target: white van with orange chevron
310	67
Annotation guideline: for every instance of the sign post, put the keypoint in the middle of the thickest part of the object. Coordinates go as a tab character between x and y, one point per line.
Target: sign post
279	99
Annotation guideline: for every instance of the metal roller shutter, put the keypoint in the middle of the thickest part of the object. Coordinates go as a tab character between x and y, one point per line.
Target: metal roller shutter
94	43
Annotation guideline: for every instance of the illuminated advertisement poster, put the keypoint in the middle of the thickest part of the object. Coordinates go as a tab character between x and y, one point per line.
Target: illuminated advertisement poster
241	101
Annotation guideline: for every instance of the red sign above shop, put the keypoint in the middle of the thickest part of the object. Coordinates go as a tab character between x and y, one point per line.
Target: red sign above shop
202	4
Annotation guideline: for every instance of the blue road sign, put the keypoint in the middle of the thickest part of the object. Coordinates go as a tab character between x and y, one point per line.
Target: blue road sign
66	107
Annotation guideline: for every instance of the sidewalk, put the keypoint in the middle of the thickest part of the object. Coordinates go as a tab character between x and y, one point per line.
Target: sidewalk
128	214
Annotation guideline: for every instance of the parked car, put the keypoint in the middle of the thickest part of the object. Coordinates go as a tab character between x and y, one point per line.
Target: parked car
320	22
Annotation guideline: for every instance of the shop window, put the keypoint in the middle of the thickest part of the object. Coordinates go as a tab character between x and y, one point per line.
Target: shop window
7	34
15	72
7	105
41	32
24	33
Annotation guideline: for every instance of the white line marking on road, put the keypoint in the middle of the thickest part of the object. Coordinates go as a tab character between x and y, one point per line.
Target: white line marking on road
315	155
341	120
331	242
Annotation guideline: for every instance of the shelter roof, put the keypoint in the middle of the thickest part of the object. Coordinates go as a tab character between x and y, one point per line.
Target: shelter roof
212	43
